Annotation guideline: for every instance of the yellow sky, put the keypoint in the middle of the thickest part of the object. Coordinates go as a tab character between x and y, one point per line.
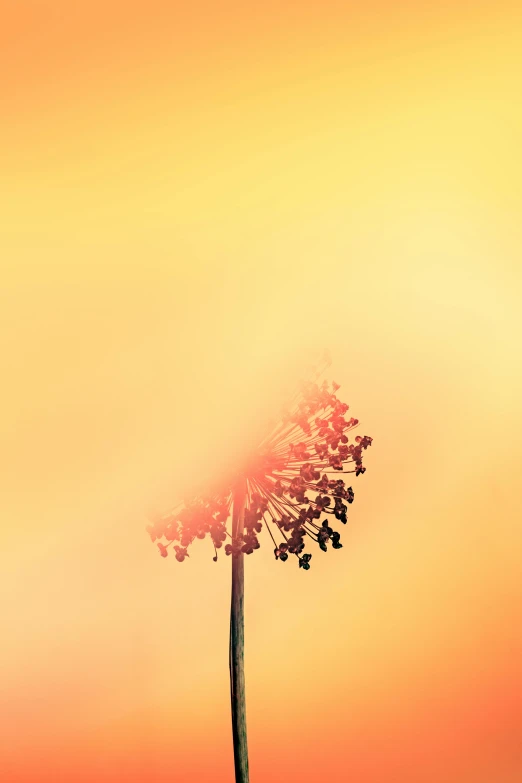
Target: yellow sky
183	227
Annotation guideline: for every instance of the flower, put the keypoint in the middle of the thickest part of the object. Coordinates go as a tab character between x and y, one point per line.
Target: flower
290	486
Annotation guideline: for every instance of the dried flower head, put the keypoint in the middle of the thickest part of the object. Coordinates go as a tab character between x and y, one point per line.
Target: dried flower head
291	486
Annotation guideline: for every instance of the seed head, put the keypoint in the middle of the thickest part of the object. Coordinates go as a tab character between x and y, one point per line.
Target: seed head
291	486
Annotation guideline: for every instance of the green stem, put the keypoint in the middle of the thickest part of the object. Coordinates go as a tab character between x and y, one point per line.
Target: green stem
237	641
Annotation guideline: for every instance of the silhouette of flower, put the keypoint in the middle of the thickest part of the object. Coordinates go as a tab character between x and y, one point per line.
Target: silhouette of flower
290	486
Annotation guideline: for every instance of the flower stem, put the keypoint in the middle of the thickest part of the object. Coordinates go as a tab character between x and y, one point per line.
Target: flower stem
237	640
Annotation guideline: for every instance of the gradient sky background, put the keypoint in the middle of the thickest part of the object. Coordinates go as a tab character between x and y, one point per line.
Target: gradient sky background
193	200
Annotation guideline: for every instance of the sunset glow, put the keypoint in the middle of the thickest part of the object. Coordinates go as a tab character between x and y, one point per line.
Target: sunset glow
196	199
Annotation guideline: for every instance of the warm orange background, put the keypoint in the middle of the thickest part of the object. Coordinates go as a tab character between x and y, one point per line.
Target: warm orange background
194	199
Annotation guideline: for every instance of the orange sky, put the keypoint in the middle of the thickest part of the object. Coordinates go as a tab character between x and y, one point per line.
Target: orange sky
194	200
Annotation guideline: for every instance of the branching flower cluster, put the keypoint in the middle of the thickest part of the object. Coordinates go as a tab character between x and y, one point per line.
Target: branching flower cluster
291	486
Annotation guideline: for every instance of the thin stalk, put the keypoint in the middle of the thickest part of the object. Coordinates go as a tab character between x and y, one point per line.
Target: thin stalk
237	640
